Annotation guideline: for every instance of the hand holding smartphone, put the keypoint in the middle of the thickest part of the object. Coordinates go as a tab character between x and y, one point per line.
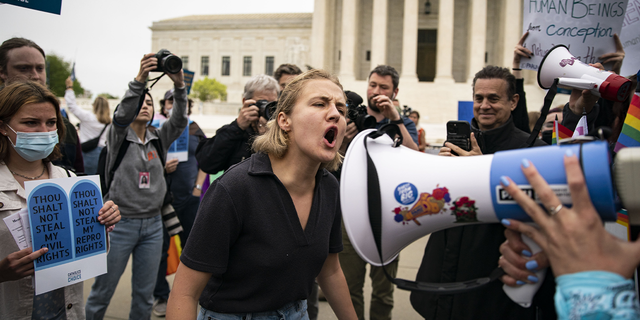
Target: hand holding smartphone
459	133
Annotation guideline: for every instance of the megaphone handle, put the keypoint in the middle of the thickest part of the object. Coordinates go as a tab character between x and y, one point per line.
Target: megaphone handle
523	295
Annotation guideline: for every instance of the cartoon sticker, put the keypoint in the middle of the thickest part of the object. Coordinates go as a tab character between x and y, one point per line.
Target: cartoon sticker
427	204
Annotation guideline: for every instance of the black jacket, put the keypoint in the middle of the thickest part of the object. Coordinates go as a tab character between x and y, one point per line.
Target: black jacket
229	146
470	252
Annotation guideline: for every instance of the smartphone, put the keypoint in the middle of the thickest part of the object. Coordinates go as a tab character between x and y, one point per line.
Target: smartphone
459	133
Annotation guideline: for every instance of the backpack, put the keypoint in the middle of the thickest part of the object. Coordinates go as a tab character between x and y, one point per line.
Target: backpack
102	162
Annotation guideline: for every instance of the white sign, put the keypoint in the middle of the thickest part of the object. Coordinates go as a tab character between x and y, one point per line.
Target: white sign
585	26
630	39
63	215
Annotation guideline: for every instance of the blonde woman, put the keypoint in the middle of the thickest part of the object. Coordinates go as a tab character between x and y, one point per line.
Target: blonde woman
271	224
93	125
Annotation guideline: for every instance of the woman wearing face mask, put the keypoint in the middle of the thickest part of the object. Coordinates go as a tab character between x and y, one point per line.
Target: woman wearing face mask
271	224
31	126
138	186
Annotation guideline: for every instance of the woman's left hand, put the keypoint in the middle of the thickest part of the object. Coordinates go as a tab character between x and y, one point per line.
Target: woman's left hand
574	239
109	215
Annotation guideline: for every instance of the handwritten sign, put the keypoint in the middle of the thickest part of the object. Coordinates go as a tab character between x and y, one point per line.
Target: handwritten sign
585	26
63	217
630	39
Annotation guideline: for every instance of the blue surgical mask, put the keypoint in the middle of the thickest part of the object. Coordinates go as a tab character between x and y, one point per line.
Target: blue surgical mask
33	146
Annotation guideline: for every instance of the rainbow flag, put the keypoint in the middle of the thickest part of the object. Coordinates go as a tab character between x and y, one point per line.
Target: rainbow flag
559	132
630	135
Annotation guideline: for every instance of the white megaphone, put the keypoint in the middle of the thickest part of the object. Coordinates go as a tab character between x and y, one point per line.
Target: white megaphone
416	193
571	72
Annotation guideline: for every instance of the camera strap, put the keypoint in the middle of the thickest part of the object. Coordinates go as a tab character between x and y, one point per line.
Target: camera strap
374	202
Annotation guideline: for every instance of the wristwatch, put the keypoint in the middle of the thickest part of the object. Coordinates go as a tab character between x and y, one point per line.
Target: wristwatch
199	187
396	122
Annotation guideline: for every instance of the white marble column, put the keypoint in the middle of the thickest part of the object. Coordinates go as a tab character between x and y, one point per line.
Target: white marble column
512	24
379	33
318	34
477	37
444	55
410	41
348	41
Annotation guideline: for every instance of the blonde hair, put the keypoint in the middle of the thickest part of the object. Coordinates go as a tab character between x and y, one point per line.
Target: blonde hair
101	110
276	141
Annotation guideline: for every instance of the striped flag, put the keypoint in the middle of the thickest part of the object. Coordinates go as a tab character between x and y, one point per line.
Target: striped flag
630	135
559	132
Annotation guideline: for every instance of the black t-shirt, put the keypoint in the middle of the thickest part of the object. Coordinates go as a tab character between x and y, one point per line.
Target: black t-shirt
248	235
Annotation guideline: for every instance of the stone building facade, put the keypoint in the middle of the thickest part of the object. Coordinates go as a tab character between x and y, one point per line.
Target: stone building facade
437	50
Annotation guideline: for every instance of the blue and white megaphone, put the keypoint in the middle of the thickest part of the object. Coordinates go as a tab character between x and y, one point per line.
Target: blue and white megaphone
392	196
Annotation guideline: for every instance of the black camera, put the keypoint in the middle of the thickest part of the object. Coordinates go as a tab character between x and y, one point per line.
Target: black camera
357	112
266	108
168	62
406	111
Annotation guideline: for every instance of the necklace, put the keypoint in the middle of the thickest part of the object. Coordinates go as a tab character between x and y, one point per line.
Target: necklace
30	178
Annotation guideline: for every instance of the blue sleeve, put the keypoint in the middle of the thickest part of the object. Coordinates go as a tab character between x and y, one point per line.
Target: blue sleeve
596	295
411	128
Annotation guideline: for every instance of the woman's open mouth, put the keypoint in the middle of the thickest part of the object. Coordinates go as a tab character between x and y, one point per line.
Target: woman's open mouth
330	136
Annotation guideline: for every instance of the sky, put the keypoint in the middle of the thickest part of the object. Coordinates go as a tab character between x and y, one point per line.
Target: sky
107	38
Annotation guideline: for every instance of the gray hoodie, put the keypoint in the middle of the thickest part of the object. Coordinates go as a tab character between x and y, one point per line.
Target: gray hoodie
141	157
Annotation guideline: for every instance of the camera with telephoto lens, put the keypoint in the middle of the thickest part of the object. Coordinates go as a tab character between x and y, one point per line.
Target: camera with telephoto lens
357	112
168	62
266	108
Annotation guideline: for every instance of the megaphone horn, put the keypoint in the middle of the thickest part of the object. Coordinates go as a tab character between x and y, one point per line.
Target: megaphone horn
560	63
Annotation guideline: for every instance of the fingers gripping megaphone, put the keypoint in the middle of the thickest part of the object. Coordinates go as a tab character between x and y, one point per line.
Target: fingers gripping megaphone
391	196
571	72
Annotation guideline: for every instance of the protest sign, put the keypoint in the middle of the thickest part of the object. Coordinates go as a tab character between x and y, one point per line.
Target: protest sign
179	149
63	216
630	39
188	79
586	27
50	6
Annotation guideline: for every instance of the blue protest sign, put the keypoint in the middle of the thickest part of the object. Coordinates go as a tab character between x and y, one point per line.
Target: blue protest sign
63	216
50	225
188	79
89	234
51	6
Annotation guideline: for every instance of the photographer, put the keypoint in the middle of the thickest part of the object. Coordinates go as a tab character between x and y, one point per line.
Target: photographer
232	142
138	186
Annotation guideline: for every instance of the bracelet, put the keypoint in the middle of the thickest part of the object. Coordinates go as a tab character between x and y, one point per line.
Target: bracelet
516	69
396	122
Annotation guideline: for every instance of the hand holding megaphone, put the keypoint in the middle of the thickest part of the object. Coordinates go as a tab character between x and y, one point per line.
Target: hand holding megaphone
573	239
571	72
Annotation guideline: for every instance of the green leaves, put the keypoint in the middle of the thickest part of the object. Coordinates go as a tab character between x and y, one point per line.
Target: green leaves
209	89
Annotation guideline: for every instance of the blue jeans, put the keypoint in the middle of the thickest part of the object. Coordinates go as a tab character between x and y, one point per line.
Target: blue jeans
291	311
91	161
143	239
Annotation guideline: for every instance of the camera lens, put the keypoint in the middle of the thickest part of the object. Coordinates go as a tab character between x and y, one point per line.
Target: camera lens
172	64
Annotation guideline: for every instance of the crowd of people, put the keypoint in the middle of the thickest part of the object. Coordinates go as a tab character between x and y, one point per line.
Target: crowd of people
265	239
